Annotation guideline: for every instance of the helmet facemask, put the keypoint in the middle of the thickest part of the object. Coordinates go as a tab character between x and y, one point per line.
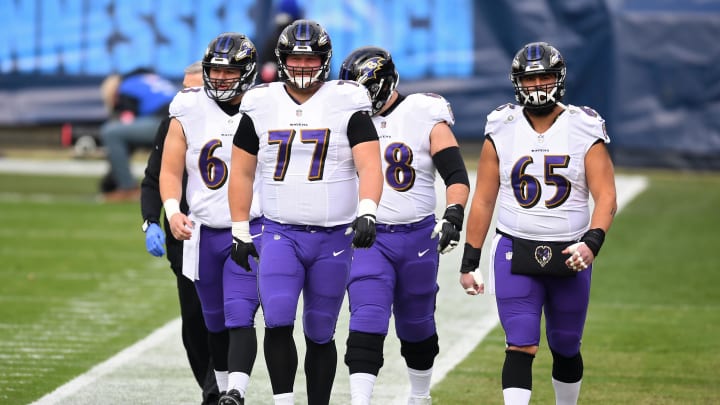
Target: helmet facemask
304	77
539	99
224	90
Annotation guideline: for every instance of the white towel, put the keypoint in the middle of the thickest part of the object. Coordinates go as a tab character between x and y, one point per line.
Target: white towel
191	253
490	286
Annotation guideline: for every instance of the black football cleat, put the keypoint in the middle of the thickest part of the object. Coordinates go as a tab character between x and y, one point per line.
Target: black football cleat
232	397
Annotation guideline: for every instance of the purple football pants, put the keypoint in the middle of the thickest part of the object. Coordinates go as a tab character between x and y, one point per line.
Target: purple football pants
228	293
312	259
522	299
399	274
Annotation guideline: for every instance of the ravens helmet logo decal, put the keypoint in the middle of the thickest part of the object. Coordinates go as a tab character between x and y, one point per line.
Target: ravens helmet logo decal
369	69
246	50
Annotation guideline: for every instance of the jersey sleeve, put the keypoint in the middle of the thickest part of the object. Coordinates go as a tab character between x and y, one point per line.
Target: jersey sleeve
252	97
591	124
352	95
185	101
435	107
498	116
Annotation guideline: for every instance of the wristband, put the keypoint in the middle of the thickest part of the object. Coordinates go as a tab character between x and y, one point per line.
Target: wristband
366	207
241	230
594	239
172	207
470	259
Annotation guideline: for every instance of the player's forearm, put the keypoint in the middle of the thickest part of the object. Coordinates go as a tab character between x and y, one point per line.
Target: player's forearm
604	212
240	194
478	223
457	194
367	161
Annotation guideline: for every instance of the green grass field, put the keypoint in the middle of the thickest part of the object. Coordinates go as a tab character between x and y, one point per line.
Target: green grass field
77	287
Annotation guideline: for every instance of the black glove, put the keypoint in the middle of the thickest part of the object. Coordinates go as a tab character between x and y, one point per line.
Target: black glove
449	228
365	232
470	259
241	251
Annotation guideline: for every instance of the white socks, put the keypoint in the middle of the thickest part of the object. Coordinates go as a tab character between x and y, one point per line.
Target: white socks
516	396
238	381
221	377
287	398
420	382
361	388
566	393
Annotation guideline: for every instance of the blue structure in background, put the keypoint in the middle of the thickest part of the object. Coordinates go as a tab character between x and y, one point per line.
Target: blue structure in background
648	66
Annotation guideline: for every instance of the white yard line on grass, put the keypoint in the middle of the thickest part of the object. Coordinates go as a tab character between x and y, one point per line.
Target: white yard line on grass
155	369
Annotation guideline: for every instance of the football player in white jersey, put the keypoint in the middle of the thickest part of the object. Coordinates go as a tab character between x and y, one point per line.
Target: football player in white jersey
199	140
398	273
541	161
318	159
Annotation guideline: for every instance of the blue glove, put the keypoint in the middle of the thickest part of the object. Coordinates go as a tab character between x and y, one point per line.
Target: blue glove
155	240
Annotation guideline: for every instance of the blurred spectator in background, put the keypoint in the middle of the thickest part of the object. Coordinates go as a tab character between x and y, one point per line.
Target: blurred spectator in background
286	11
136	103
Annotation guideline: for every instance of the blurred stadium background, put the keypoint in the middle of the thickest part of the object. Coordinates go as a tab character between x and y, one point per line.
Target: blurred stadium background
648	66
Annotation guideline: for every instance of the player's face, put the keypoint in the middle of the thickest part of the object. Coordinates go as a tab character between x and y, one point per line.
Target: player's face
538	80
303	61
224	78
304	69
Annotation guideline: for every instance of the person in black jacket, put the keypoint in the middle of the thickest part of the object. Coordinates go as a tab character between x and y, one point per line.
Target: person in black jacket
194	331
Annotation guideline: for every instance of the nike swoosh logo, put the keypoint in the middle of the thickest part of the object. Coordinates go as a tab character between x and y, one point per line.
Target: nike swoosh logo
421	254
335	254
255	236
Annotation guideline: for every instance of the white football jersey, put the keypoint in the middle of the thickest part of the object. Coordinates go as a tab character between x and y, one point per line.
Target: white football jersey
543	191
209	135
305	161
408	170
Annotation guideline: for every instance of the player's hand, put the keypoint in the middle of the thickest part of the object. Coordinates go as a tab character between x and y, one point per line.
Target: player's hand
364	224
449	228
241	252
365	231
473	282
155	240
580	256
181	226
243	247
471	278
